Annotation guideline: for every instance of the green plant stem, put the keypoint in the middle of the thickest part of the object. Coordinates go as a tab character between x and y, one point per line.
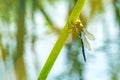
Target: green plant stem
61	40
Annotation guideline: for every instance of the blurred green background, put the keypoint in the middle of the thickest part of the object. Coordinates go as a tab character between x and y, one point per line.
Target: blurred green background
30	28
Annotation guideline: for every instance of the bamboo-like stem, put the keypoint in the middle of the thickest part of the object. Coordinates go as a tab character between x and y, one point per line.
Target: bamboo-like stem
61	40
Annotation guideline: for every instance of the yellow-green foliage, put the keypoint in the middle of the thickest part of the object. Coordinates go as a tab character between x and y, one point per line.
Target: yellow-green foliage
61	40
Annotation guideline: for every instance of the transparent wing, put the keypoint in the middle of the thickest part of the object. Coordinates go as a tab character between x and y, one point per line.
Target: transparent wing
89	35
86	43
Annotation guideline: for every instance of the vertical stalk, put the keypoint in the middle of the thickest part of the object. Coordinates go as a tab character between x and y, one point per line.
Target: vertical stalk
61	41
18	58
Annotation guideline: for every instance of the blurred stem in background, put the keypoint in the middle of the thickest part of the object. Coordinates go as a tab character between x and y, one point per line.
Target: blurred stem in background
4	55
51	25
116	4
73	58
18	58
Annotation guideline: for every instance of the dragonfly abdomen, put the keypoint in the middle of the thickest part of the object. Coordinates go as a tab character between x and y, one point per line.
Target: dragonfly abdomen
83	51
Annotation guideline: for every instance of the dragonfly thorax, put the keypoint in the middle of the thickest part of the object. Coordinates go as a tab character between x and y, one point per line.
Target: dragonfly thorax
78	26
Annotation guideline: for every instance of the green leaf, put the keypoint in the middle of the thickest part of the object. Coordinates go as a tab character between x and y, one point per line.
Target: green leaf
61	40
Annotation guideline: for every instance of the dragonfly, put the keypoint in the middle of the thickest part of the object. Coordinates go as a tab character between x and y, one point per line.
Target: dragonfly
83	34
